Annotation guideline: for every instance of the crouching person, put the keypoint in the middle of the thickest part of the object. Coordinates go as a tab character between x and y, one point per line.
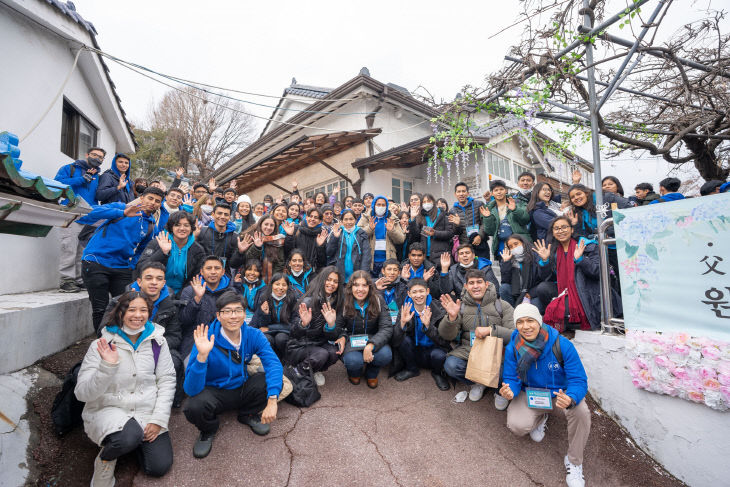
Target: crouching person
217	378
542	371
127	381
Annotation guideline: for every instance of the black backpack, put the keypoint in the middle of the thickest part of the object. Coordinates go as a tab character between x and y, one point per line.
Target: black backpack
304	392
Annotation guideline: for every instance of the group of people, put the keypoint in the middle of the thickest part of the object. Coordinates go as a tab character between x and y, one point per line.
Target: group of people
197	292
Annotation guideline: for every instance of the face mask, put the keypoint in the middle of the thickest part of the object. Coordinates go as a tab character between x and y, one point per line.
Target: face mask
277	298
524	191
140	188
249	280
380	210
428	206
297	273
207	209
94	162
467	265
129	331
518	253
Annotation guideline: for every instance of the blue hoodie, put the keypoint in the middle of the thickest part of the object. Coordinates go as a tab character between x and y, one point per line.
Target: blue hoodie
82	188
165	293
117	244
381	233
547	373
107	191
668	197
221	372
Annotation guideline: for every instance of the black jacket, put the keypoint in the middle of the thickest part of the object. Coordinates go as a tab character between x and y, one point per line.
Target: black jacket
107	191
441	240
305	239
192	314
432	332
361	254
220	244
453	282
196	254
523	280
310	336
434	286
270	321
379	329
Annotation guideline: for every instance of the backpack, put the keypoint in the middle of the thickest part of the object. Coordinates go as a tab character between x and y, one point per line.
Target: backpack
66	409
304	392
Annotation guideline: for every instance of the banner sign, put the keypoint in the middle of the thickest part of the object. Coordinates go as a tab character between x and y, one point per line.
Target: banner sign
674	264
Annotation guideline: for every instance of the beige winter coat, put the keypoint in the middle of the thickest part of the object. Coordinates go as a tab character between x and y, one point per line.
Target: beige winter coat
392	238
131	388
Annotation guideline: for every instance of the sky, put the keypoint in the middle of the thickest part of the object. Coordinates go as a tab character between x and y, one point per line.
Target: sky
260	46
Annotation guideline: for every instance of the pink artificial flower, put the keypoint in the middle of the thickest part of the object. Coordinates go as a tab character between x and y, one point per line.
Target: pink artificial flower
711	384
707	373
681	350
681	338
711	353
663	361
724	379
680	373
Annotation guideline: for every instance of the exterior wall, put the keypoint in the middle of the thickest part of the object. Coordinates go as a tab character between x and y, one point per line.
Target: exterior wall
45	63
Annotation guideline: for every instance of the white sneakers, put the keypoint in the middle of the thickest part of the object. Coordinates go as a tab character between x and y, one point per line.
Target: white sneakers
500	403
538	433
104	472
319	379
476	392
573	474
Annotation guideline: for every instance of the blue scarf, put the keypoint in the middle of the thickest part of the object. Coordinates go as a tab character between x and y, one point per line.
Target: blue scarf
380	232
278	303
224	283
163	294
295	221
430	223
417	272
349	240
149	327
300	285
422	340
250	291
177	264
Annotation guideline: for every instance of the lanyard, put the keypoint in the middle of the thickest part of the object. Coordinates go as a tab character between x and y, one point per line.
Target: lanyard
364	319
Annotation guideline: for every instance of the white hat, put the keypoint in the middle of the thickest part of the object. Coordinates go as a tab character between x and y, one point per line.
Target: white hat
243	199
527	310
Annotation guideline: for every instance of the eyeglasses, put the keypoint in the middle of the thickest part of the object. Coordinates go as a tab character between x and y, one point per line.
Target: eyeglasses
98	155
232	312
561	229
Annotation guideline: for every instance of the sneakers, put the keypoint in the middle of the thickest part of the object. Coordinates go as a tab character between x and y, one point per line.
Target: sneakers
202	447
104	472
573	474
319	379
500	403
69	287
476	392
538	433
254	422
406	374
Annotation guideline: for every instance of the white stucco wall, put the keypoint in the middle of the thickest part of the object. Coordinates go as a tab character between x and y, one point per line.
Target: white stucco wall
45	62
690	440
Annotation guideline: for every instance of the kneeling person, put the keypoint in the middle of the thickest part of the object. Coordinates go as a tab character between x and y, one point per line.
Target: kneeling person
416	335
542	370
217	378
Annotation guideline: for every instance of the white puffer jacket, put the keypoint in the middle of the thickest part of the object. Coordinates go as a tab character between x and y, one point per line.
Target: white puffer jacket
131	388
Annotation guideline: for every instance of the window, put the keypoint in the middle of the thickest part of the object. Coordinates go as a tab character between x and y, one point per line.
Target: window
499	166
519	170
401	188
338	188
77	133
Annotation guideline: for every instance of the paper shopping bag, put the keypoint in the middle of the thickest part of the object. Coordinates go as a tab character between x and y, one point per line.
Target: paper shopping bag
485	360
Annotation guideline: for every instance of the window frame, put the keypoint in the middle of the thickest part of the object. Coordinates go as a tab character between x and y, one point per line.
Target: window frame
71	124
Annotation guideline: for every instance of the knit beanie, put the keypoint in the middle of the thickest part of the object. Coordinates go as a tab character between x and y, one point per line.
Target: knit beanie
244	198
527	310
326	207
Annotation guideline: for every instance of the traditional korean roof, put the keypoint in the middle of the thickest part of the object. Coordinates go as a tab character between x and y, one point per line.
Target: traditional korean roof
306	90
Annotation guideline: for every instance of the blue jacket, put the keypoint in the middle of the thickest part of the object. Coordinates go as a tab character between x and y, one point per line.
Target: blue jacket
82	188
107	191
117	244
221	372
663	199
547	373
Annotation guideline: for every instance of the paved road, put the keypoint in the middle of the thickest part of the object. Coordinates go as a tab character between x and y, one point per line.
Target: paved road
401	434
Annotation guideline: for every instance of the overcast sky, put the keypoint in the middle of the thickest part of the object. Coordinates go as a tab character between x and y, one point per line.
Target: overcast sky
260	46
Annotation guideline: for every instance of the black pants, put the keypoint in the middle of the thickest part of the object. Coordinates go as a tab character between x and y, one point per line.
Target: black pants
545	292
177	362
154	457
316	358
278	342
203	410
416	357
100	281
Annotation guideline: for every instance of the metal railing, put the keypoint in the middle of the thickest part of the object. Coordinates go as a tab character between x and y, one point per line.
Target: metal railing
609	323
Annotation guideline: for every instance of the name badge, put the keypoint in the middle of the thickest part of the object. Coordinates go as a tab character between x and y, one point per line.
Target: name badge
472	230
224	262
539	398
472	336
249	316
358	342
380	245
393	310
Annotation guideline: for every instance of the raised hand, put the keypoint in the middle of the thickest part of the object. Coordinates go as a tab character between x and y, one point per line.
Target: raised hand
233	184
389	224
211	184
198	228
163	240
454	219
511	204
245	242
381	284
406	315
337	229
487	196
452	307
238	277
322	237
188	200
371	223
294	185
506	392
429	274
107	351
405	273
570	214
579	249
414	211
329	313
133	210
484	211
202	342
445	262
506	254
542	250
305	314
179	173
426	316
198	286
562	400
258	239
576	177
288	227
122	181
265	307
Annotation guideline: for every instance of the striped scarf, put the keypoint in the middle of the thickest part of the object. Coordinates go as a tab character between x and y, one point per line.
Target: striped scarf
528	352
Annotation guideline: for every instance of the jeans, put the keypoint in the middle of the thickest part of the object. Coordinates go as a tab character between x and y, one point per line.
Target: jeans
354	363
505	292
155	457
416	357
100	281
456	368
203	410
